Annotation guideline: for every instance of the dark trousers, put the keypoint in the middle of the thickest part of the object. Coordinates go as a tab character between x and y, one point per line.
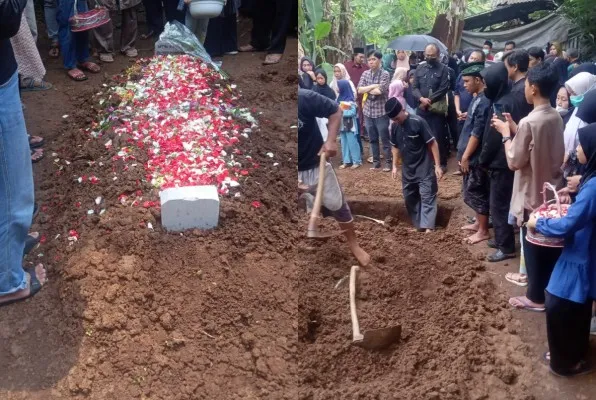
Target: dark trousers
378	128
452	120
272	20
501	189
438	127
222	36
540	262
172	13
421	200
568	332
154	15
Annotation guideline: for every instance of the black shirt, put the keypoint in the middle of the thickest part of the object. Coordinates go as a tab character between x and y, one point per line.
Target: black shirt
311	105
10	21
433	78
521	108
412	139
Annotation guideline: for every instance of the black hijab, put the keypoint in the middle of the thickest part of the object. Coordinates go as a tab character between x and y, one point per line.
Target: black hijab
587	139
324	90
496	80
587	109
306	81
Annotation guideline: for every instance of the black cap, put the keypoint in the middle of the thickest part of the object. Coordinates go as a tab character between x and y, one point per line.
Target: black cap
393	107
358	50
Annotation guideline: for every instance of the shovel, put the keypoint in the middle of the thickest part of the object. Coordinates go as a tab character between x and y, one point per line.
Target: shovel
378	221
375	339
313	230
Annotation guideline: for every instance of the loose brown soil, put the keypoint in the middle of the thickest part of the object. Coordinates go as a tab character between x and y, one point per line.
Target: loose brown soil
135	313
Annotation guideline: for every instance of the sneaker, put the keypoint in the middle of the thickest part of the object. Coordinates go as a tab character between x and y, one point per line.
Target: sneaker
593	326
132	52
355	166
106	58
231	53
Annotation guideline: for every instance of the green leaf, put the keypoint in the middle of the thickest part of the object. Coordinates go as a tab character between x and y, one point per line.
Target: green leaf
322	30
314	11
328	68
332	48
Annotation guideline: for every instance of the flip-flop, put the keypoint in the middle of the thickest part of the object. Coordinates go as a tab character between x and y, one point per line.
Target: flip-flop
54	50
516	282
35	145
34	85
525	305
36	159
90	67
30	243
272	59
76	76
34	287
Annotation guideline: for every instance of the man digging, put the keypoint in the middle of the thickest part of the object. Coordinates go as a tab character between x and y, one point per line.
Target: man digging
411	136
312	105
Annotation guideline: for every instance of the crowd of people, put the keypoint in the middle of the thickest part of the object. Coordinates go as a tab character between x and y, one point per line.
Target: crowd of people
22	69
516	119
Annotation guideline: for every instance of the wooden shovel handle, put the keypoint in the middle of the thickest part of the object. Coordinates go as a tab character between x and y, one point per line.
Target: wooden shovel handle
316	209
356	336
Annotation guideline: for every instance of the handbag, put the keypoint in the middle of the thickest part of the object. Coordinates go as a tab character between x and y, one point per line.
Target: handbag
88	20
439	107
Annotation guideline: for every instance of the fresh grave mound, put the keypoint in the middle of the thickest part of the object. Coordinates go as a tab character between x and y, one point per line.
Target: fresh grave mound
195	315
458	338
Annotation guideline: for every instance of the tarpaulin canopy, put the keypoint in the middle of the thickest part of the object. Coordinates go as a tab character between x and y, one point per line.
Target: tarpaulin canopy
554	27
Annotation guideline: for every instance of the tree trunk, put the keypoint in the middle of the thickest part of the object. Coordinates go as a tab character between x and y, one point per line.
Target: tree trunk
346	30
455	17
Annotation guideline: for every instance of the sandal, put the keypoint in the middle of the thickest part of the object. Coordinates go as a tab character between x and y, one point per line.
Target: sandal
272	59
106	58
524	304
77	75
54	50
34	287
148	35
30	242
249	48
90	67
35	141
36	155
34	85
517	278
132	52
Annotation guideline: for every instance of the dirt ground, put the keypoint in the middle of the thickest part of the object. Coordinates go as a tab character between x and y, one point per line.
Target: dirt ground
253	310
134	313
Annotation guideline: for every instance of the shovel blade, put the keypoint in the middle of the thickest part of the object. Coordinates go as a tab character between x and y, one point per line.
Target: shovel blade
377	339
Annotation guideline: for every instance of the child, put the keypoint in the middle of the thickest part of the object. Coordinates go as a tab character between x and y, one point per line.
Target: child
398	85
573	282
350	149
411	100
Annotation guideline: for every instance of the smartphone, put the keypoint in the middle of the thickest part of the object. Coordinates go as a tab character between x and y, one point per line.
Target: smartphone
499	110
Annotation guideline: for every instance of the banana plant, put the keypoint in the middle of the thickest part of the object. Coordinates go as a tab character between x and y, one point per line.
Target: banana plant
313	30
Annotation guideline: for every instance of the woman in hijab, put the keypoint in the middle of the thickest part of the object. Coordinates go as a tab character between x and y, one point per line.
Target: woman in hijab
573	282
340	72
350	148
563	105
577	87
398	85
307	73
321	86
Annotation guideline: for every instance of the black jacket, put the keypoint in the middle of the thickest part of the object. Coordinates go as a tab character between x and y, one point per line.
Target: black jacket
10	22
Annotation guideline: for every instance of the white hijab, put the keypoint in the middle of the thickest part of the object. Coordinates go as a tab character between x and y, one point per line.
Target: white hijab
580	84
344	75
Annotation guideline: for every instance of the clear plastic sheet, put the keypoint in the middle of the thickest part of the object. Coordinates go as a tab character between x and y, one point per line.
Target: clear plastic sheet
178	39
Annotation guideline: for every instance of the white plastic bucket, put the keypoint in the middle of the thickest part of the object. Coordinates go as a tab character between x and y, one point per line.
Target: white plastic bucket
206	8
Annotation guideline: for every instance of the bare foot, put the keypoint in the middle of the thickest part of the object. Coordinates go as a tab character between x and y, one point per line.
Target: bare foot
471	227
477	238
40	273
362	256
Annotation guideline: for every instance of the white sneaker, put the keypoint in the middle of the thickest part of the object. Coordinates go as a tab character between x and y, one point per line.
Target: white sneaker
593	326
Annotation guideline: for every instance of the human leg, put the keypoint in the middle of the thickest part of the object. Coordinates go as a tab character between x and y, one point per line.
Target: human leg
31	20
263	20
16	188
172	12
130	28
354	148
345	149
428	189
568	332
412	199
476	196
501	188
49	10
382	125
154	17
102	37
540	262
281	26
373	135
65	35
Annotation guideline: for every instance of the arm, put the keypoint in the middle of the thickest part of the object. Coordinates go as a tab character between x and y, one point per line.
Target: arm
580	213
362	85
384	83
434	149
10	15
470	149
456	100
416	87
517	150
440	93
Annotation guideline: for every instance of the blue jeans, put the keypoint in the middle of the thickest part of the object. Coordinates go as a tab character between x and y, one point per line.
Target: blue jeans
16	188
350	149
379	128
73	46
49	11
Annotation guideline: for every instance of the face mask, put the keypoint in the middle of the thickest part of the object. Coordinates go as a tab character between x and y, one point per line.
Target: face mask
562	111
485	51
576	100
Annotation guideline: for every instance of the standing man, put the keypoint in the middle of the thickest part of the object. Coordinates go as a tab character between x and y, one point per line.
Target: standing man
536	56
272	20
355	69
311	106
431	83
411	136
374	86
488	50
517	63
509	46
476	181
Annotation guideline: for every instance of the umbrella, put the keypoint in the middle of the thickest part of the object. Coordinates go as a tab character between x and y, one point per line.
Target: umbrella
416	43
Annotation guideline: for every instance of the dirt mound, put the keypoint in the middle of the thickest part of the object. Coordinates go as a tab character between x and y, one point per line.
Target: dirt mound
135	312
457	339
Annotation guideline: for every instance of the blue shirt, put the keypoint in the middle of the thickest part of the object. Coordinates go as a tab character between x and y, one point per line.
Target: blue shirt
478	117
574	276
465	98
